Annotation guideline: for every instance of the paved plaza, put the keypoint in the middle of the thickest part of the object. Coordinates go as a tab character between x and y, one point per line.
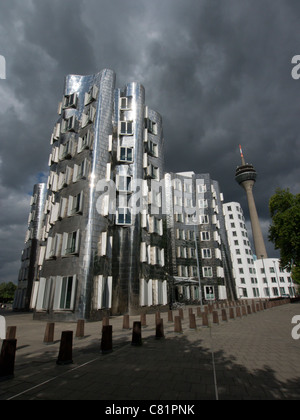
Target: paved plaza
249	357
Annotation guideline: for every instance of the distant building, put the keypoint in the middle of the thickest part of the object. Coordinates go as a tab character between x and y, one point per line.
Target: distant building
254	278
30	263
197	242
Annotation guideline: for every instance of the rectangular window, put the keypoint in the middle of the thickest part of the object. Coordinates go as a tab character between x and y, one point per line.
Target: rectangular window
207	271
152	148
126	128
125	103
124	216
205	236
126	154
66	292
70	101
206	253
70	243
64	295
124	183
153	171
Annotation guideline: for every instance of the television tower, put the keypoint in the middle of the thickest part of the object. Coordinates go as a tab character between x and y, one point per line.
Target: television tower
245	175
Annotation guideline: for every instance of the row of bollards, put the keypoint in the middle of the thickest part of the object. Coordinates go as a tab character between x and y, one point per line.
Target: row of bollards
65	356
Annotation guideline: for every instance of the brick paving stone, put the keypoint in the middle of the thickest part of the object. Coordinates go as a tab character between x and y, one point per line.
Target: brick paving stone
255	358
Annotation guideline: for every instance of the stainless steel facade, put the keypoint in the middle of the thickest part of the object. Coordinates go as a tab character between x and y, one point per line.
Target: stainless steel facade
97	259
109	241
30	265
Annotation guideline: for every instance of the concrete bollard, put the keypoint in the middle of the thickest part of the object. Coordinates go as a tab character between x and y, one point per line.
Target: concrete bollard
65	349
7	359
231	313
177	325
170	316
192	321
190	311
80	328
160	329
49	333
238	312
136	334
215	317
204	319
126	322
106	340
224	315
11	333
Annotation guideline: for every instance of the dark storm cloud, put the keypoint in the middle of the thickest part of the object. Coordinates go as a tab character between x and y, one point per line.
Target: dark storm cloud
219	72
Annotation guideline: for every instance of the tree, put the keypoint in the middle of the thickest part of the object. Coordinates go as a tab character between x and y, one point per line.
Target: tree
7	291
284	231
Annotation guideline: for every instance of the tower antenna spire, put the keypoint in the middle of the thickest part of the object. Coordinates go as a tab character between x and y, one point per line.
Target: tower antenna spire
242	156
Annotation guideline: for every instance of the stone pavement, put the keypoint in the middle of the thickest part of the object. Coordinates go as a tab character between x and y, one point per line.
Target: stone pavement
251	357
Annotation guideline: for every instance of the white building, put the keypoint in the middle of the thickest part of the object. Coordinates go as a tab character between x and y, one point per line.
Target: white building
254	278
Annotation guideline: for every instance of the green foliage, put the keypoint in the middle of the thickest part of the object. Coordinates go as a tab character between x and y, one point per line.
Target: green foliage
284	231
296	274
7	291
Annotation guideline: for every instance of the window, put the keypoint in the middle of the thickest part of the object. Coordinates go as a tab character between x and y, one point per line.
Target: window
64	293
80	171
84	142
70	243
152	148
69	124
207	271
124	183
151	126
153	171
205	236
204	219
125	103
75	204
126	128
124	216
202	203
70	101
126	154
91	95
206	253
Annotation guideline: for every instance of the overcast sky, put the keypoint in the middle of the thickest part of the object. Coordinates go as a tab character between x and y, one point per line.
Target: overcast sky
218	71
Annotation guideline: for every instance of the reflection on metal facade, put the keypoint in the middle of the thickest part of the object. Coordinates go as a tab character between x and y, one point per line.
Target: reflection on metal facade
118	233
30	264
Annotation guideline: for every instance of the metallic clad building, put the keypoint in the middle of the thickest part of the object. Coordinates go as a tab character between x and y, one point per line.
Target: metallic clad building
30	265
101	251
